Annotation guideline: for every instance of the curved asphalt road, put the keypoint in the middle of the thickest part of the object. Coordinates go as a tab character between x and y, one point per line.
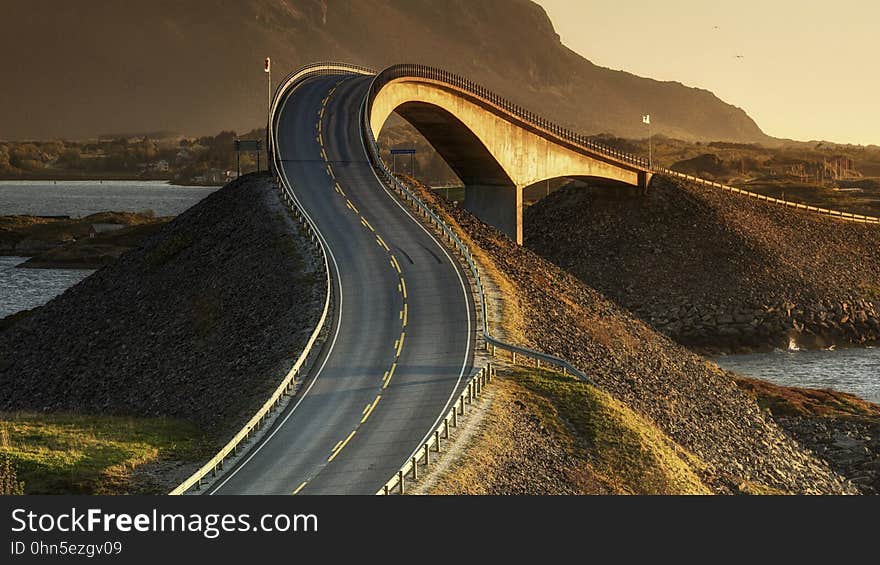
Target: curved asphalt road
401	343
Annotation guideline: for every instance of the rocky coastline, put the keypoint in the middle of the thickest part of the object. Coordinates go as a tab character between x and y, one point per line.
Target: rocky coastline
742	328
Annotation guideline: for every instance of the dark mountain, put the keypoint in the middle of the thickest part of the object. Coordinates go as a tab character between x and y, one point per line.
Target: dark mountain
78	69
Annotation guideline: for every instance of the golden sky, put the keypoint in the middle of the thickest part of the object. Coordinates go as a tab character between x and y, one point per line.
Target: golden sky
803	69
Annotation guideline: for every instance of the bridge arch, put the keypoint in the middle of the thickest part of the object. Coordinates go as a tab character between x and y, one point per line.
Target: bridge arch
496	153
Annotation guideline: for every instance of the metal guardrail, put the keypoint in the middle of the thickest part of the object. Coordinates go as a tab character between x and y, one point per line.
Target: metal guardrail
846	216
261	417
492	343
422	455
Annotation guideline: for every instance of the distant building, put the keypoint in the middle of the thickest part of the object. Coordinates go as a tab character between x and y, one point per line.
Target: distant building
162	166
97	229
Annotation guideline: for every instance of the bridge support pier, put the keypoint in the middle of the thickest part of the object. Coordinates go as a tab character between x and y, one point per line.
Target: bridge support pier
645	181
499	206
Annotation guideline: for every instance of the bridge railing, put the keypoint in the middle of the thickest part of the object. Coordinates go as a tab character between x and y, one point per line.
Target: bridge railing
492	343
845	216
489	98
537	122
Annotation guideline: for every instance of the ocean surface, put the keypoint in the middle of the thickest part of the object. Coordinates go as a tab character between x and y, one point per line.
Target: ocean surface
856	371
22	289
81	198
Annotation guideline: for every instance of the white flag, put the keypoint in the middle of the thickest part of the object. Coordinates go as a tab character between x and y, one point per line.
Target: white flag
646	118
268	65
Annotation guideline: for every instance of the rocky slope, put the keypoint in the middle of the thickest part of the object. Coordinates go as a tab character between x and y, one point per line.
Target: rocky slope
178	66
713	270
839	428
696	404
199	323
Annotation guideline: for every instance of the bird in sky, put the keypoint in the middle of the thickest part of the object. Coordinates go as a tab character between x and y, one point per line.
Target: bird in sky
740	56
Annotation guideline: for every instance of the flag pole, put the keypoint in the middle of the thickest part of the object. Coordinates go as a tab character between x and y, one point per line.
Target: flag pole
268	69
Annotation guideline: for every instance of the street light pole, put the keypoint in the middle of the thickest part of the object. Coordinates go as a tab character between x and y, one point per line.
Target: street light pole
267	68
646	119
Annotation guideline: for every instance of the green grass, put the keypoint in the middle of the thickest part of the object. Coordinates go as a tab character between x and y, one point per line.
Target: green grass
79	454
627	451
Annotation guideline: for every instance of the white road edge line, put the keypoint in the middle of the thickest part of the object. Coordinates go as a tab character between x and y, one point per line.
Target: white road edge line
455	266
302	397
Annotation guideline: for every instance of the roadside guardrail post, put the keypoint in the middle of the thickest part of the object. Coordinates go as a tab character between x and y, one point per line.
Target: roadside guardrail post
427	456
415	467
400	481
437	441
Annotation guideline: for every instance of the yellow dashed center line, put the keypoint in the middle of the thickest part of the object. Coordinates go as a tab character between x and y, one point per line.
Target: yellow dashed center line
340	446
404	313
388	375
370	409
300	487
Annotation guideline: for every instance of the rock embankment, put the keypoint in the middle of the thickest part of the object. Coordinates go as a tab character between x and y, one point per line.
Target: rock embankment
735	445
839	428
714	271
199	323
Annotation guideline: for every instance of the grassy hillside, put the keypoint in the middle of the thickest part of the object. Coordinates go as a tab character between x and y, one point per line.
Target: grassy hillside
76	454
546	433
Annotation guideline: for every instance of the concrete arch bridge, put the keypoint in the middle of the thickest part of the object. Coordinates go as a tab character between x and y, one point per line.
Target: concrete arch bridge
495	147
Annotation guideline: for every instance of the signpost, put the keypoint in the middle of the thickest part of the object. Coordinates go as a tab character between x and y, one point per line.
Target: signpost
249	145
410	152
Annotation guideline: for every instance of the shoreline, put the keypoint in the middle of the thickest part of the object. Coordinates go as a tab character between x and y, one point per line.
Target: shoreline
108	178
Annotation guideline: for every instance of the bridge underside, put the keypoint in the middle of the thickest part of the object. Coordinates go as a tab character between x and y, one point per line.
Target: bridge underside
494	156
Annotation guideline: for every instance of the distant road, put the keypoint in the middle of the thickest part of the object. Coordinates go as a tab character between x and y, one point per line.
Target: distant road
401	342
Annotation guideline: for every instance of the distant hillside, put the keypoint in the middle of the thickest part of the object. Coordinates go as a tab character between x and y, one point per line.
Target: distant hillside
80	69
